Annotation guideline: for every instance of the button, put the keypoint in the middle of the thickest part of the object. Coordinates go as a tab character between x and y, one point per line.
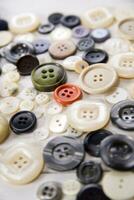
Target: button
71	187
44	58
54	108
89	172
67	94
70	21
62	153
131	90
9	105
28	93
41	46
3	25
12	76
9	89
23	23
116	95
18	165
72	132
27	105
42	98
5	38
27	37
7	67
93	140
126	28
80	32
115	185
122	115
101	77
48	76
39	111
55	18
70	61
16	50
41	134
26	64
80	66
23	122
46	28
62	49
4	129
85	44
49	191
96	56
58	123
100	34
91	192
61	33
117	152
87	115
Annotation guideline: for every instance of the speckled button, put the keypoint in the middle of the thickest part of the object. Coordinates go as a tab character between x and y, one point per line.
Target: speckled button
41	46
85	44
46	28
70	21
126	28
80	32
100	35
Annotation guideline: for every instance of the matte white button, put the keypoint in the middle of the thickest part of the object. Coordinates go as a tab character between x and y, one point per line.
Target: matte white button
119	185
80	65
27	105
28	93
44	58
61	33
9	105
5	38
42	98
12	76
39	111
71	132
41	134
87	115
28	37
9	89
71	187
7	67
4	128
69	62
54	108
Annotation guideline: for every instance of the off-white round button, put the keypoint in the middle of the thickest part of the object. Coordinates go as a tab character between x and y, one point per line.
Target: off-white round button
80	65
4	128
54	108
7	67
97	78
41	134
69	62
71	187
131	90
9	89
126	28
87	115
12	76
5	38
39	111
119	185
28	37
61	33
28	93
98	18
21	163
26	105
44	58
23	23
9	105
42	98
71	132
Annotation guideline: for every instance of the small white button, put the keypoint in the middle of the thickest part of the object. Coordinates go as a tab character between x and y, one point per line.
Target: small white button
9	105
9	89
71	187
28	93
71	132
69	62
7	67
28	37
42	98
12	76
26	105
39	111
61	33
41	133
5	38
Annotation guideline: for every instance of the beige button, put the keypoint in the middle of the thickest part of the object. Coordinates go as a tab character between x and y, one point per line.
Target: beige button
4	128
97	79
131	90
9	89
80	66
12	76
9	105
61	33
126	28
5	38
62	49
27	105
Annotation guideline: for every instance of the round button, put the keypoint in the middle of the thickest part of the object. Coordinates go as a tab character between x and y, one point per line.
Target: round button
96	56
61	33
9	105
89	172
126	28
62	153
41	134
80	65
41	46
48	76
100	34
7	67
87	115
85	44
71	188
117	152
80	32
66	94
70	21
62	49
93	140
28	93
42	98
9	88
5	38
27	37
46	28
27	105
122	115
72	132
54	108
55	18
26	64
131	90
23	122
11	76
3	25
101	77
4	129
70	61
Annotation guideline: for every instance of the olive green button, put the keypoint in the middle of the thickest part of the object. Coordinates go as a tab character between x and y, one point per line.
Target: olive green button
4	128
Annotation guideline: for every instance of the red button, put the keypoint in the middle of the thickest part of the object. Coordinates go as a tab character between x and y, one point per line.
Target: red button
67	94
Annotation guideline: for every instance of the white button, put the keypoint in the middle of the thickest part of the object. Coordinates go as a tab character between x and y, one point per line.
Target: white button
27	105
71	132
23	23
39	111
87	115
9	89
12	76
61	33
28	37
58	123
5	38
69	62
4	128
80	65
42	98
21	162
98	18
28	93
98	78
116	95
71	187
9	105
7	67
44	58
119	185
54	108
41	133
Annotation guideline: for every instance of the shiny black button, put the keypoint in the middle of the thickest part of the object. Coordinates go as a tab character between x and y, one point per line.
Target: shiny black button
41	46
70	21
117	151
89	172
85	44
23	122
96	56
46	28
3	25
55	18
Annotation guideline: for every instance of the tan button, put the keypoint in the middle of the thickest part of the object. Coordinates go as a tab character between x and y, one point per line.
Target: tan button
80	65
5	38
97	79
4	128
62	49
126	28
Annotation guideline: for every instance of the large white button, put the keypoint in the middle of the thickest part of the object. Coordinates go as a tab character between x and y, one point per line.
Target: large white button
71	187
69	62
87	115
21	162
28	93
5	38
97	78
42	98
9	105
9	89
54	108
119	185
61	33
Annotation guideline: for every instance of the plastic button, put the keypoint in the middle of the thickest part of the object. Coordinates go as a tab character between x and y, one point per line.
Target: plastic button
4	128
69	62
9	105
5	38
126	28
46	28
3	25
55	18
80	32
80	66
61	33
71	188
100	35
70	21
85	44
41	46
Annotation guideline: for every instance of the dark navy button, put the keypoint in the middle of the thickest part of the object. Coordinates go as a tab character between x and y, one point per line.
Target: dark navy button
93	140
23	122
89	172
80	32
41	46
117	152
70	21
46	28
100	35
3	25
85	44
96	56
55	18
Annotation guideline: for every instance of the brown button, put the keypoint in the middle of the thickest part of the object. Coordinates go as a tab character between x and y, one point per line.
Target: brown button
126	28
80	65
62	49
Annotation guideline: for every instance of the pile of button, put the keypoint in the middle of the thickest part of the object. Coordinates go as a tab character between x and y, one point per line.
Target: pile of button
63	125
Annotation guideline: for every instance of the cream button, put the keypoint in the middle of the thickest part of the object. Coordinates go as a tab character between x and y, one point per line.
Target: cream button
131	90
61	33
42	98
118	185
97	78
5	38
87	115
9	89
71	187
28	93
80	65
4	128
7	67
41	134
69	62
12	76
54	108
26	105
39	111
126	28
71	132
28	37
9	105
18	165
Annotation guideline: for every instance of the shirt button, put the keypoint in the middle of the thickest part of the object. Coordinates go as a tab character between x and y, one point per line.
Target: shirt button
42	98
28	93
80	32
9	105
80	66
69	62
55	18
85	44
126	28
61	33
71	188
41	46
46	28
3	25
100	35
54	108
70	21
4	129
5	38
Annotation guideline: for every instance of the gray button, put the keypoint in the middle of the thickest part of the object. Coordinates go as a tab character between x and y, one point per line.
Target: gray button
100	35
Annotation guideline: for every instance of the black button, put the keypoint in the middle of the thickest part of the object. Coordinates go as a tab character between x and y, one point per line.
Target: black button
93	140
70	21
89	172
96	56
117	151
41	46
85	44
122	115
23	122
3	25
26	64
91	192
63	153
46	28
55	18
